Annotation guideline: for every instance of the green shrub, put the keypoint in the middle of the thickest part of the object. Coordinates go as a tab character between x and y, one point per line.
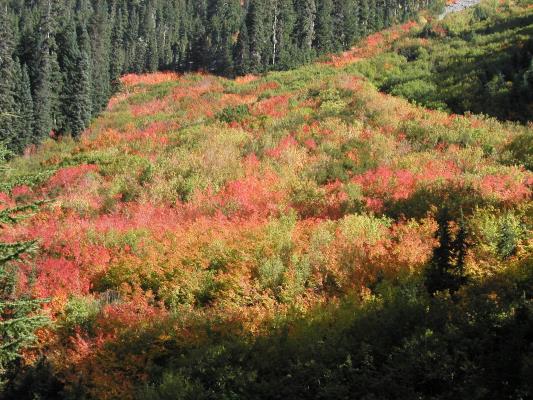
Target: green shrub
270	273
307	197
411	51
484	11
295	281
355	201
331	102
173	386
209	290
521	150
80	312
117	239
233	114
364	227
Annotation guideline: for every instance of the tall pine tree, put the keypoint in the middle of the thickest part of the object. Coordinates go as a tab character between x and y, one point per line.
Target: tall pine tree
241	52
324	40
284	54
306	27
24	109
84	75
42	73
258	30
7	77
20	316
118	45
446	269
100	35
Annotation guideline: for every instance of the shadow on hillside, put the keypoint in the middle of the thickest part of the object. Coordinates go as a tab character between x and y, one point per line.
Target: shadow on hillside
503	25
485	74
401	345
484	71
491	82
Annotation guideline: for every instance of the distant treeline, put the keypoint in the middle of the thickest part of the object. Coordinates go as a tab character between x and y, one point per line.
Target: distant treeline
60	61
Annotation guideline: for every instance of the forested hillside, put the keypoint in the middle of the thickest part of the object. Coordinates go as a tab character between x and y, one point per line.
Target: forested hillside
60	61
291	235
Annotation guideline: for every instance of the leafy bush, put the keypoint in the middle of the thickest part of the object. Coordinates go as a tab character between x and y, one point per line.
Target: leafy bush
521	149
173	386
331	102
209	290
270	273
80	312
234	114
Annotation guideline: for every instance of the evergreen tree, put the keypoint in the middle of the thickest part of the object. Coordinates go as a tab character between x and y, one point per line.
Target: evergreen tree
7	78
364	17
84	74
224	19
42	72
345	23
116	66
166	32
181	36
148	33
446	269
76	99
242	52
24	109
131	36
82	11
67	40
306	11
372	16
324	41
284	34
99	33
389	8
258	32
528	81
198	46
508	237
20	316
379	17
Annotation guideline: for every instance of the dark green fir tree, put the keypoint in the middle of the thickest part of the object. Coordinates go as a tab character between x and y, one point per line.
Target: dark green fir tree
324	39
446	269
241	52
7	78
24	109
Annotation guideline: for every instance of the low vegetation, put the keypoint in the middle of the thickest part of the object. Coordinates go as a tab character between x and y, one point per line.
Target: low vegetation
296	235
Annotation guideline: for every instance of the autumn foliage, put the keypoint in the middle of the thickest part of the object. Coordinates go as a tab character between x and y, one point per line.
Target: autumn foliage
318	188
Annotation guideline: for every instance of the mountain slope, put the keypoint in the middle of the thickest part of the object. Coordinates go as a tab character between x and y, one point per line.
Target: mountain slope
480	61
280	236
60	62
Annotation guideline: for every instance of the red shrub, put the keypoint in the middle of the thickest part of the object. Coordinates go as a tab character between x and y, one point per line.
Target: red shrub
69	176
276	106
506	187
149	79
284	144
60	278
